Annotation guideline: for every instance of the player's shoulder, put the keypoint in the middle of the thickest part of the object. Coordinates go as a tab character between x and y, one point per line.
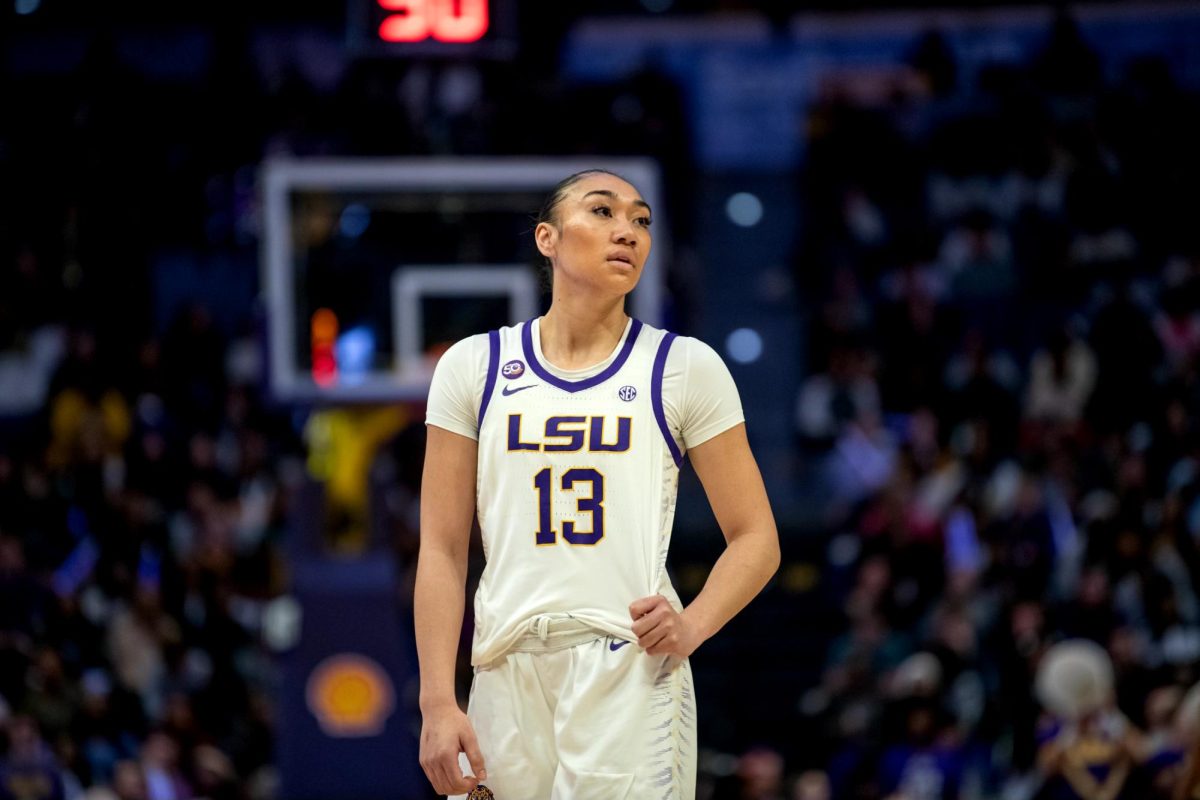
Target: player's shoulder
684	351
480	341
651	336
696	348
467	348
466	356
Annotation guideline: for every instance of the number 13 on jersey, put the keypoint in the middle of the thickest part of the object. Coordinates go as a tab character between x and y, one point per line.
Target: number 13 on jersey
543	485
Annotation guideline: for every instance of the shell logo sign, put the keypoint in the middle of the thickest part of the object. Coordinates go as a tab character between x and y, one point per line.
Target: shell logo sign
350	695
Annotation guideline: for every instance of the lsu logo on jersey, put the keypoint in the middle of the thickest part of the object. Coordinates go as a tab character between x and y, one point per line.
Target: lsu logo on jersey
572	435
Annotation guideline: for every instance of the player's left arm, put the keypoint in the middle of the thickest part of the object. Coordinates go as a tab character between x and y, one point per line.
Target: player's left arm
735	490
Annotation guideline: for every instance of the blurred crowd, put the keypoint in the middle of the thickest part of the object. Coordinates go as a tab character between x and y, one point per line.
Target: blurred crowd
140	514
1001	276
1004	400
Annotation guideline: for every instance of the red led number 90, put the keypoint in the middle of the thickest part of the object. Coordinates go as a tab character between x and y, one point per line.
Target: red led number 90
444	20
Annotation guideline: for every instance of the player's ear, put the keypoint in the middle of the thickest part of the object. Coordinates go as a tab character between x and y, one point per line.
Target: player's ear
546	236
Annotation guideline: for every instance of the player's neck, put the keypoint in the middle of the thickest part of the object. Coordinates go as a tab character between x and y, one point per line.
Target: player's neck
575	335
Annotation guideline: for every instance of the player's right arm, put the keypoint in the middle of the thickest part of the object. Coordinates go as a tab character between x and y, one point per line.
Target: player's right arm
447	510
447	513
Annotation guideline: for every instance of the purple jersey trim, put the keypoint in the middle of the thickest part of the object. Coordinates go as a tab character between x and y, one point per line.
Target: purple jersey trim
586	383
493	368
656	382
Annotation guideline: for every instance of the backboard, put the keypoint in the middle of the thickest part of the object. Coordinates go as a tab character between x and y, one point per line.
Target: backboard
371	268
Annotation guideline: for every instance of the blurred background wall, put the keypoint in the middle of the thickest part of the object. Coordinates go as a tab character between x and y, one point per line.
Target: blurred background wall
951	255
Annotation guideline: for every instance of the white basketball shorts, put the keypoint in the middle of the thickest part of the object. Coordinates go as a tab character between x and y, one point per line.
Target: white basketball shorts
573	714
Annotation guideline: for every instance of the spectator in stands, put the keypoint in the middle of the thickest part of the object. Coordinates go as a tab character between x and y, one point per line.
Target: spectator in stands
1061	379
29	770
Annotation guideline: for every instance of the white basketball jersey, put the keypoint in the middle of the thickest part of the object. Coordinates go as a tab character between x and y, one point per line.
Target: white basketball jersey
576	488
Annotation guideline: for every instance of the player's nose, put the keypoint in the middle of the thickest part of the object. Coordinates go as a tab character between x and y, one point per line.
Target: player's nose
625	233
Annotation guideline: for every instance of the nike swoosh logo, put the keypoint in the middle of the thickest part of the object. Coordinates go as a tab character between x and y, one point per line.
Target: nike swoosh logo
614	646
507	390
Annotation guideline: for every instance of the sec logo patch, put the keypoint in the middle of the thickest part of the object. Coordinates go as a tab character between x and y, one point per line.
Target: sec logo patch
627	393
481	792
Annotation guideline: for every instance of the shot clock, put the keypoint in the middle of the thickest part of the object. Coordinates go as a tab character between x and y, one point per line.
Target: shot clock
432	28
450	21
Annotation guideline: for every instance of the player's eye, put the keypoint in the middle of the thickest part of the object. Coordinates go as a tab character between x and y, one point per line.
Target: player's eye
645	222
603	211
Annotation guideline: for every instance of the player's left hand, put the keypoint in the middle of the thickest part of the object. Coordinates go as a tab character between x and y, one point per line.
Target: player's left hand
661	630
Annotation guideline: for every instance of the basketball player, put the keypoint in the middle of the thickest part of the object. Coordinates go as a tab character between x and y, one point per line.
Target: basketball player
565	435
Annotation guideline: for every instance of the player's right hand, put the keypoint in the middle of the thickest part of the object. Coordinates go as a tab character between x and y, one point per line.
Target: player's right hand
446	732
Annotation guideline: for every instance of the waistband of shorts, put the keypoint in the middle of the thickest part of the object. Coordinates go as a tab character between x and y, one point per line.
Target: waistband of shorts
546	633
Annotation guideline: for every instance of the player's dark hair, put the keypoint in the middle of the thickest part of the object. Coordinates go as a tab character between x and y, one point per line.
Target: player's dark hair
549	214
